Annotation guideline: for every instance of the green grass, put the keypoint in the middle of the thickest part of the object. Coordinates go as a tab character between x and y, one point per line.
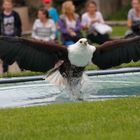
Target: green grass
19	74
89	67
119	31
106	120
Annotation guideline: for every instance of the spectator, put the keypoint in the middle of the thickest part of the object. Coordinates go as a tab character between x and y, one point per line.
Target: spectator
44	28
10	23
133	21
52	11
69	23
89	20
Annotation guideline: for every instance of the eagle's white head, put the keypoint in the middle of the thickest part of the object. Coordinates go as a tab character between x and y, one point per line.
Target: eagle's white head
80	53
83	42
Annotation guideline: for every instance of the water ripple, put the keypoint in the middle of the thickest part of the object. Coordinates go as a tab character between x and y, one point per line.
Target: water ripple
41	92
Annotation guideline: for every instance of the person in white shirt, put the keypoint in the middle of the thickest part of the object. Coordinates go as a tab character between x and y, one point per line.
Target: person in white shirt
44	27
133	21
89	19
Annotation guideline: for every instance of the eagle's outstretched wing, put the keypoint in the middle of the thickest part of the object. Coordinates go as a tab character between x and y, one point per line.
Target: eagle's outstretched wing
113	53
31	54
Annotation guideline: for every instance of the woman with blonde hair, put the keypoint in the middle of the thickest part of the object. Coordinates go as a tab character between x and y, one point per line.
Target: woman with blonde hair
69	23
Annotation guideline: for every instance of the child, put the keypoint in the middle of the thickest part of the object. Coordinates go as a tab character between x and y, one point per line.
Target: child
44	28
10	23
53	14
52	11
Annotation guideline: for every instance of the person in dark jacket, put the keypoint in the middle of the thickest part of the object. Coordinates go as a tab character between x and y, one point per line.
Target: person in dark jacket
10	23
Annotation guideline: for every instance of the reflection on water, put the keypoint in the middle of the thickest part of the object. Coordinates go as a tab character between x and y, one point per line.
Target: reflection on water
41	92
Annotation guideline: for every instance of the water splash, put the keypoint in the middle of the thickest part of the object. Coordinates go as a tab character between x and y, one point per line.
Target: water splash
76	87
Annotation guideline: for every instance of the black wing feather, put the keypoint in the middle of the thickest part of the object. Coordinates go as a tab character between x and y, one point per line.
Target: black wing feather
114	53
31	54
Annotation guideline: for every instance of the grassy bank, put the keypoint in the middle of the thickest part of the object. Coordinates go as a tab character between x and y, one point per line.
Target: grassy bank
19	74
119	31
107	120
89	67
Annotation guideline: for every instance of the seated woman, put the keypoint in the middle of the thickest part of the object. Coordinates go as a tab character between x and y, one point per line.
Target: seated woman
44	28
69	23
133	21
89	19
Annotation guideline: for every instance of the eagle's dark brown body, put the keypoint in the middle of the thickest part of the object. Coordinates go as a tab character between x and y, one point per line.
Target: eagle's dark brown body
71	72
42	56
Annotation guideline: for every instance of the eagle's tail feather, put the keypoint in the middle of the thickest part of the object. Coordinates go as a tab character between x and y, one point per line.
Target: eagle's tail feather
56	78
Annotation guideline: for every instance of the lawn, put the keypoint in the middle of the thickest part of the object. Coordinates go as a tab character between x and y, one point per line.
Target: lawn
119	31
107	120
89	67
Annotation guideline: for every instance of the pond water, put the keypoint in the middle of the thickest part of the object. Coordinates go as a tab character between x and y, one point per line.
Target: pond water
97	88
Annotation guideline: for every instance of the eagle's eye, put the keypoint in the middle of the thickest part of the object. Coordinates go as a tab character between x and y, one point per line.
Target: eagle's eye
81	42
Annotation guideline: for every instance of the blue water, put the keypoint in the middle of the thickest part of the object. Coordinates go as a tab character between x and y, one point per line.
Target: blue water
97	88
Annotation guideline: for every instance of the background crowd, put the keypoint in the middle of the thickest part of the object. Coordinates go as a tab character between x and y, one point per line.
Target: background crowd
49	25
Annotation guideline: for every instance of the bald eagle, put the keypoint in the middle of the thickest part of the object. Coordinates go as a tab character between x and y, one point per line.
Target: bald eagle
68	63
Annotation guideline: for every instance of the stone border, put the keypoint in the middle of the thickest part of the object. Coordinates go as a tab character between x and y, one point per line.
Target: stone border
89	73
